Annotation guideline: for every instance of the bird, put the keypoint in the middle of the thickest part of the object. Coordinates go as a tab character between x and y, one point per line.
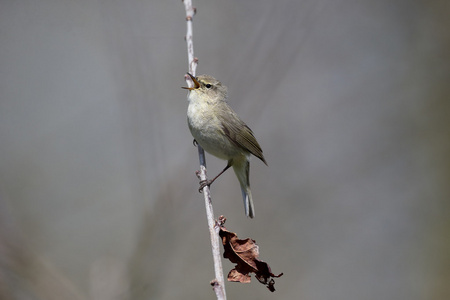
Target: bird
221	133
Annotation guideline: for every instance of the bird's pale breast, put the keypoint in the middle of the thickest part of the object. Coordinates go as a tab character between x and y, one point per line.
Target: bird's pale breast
207	131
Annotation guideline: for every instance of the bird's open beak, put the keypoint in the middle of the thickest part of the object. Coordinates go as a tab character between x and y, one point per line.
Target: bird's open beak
196	83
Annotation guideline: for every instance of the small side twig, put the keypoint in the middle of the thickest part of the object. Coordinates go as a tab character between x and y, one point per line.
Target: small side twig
218	283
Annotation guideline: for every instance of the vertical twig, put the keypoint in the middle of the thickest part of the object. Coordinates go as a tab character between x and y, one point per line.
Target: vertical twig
218	283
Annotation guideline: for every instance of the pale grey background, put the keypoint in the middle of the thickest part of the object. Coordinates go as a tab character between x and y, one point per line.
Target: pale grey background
349	100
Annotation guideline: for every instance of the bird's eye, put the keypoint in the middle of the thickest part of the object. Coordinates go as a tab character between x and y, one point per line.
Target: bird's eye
208	86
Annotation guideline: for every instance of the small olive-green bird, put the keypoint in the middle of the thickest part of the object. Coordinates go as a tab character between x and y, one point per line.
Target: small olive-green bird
218	130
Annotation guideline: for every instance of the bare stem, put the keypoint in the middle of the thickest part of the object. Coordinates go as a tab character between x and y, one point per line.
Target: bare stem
218	283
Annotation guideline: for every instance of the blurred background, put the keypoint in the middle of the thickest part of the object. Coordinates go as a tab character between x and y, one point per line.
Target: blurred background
350	101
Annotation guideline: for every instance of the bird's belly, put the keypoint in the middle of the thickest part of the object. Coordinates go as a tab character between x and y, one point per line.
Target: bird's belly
220	147
208	133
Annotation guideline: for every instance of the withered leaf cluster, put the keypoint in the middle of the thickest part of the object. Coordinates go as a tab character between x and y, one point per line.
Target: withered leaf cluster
245	253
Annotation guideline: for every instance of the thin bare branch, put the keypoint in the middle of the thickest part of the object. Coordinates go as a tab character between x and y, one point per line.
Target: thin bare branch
218	283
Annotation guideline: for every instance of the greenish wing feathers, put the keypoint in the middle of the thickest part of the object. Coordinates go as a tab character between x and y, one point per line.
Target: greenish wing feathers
241	135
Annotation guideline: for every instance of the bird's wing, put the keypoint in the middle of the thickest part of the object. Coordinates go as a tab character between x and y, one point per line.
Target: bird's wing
240	134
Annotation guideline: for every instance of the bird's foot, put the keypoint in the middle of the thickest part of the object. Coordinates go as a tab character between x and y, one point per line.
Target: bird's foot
204	183
194	142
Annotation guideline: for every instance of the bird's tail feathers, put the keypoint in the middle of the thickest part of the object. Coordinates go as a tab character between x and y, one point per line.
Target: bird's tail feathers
248	202
242	170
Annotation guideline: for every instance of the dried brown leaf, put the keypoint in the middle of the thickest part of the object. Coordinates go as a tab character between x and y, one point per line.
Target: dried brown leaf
245	253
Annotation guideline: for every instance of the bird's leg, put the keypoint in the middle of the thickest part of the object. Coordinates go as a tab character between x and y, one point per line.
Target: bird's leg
194	142
204	183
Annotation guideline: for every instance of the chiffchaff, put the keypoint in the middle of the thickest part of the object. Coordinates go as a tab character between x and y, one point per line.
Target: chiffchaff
218	130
